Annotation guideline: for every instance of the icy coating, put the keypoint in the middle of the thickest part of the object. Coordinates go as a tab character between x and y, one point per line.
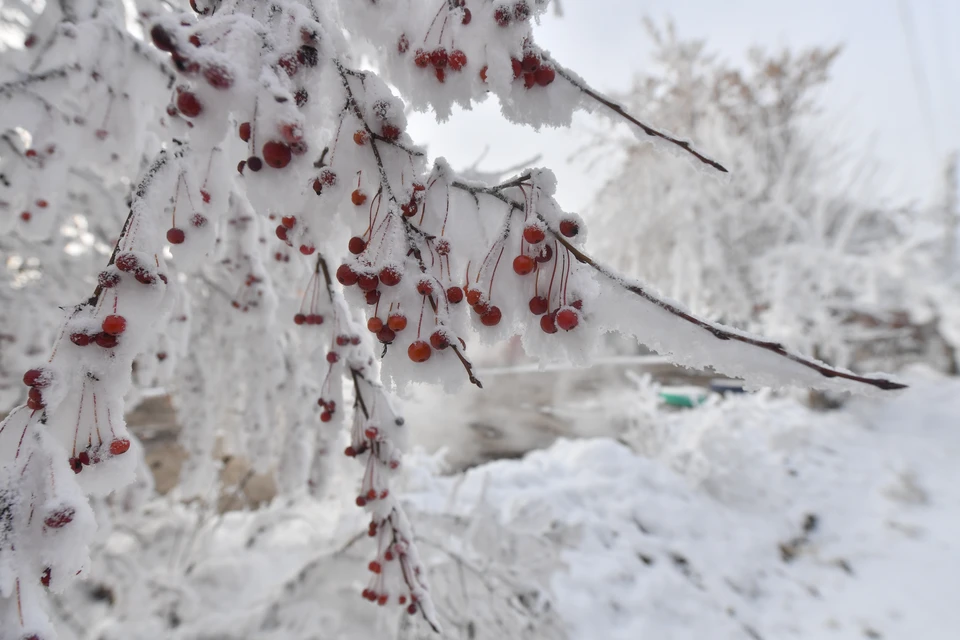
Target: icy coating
285	235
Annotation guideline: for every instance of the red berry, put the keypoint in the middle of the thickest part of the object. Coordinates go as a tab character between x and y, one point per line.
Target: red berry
443	247
299	318
473	297
439	341
502	15
240	166
390	132
300	97
567	319
483	73
145	277
36	378
162	39
521	10
198	220
276	154
119	446
421	59
533	234
397	322
390	276
41	203
60	517
386	335
368	281
372	297
307	249
374	567
403	44
347	276
548	323
127	262
282	232
530	63
455	295
218	76
419	351
45	581
491	317
374	324
439	58
326	416
467	17
545	75
25	216
524	265
425	288
308	56
457	60
328	177
188	104
357	245
360	137
205	195
289	221
569	228
106	340
440	73
358	197
291	132
81	339
412	609
289	64
332	357
114	325
254	163
545	254
539	305
175	236
529	80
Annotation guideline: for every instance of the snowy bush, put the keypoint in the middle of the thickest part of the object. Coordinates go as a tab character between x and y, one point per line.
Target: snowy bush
795	245
283	234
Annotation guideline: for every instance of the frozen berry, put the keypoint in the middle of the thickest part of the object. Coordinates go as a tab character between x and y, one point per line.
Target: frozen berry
114	325
491	317
567	319
189	104
539	305
357	245
533	234
419	351
524	265
569	228
175	236
276	154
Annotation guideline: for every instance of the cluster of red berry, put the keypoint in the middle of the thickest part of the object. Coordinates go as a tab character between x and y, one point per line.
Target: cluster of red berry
532	68
288	224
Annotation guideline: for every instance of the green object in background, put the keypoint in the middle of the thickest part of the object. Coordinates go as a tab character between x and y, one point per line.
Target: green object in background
688	398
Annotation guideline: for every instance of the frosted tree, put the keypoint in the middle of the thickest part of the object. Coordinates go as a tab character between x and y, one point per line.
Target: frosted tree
794	245
283	235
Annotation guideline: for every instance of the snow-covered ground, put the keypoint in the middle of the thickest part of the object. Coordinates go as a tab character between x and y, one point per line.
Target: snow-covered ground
751	517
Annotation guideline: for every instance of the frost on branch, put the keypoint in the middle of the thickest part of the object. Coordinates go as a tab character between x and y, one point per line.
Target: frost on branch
312	244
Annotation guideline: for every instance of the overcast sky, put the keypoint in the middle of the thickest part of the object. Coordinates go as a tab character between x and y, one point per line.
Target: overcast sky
895	88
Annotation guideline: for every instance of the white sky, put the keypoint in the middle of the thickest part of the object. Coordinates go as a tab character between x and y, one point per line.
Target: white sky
909	119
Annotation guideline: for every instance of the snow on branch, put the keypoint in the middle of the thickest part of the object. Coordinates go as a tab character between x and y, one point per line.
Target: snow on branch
245	316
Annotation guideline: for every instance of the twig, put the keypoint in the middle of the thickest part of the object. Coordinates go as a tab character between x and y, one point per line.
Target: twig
616	108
